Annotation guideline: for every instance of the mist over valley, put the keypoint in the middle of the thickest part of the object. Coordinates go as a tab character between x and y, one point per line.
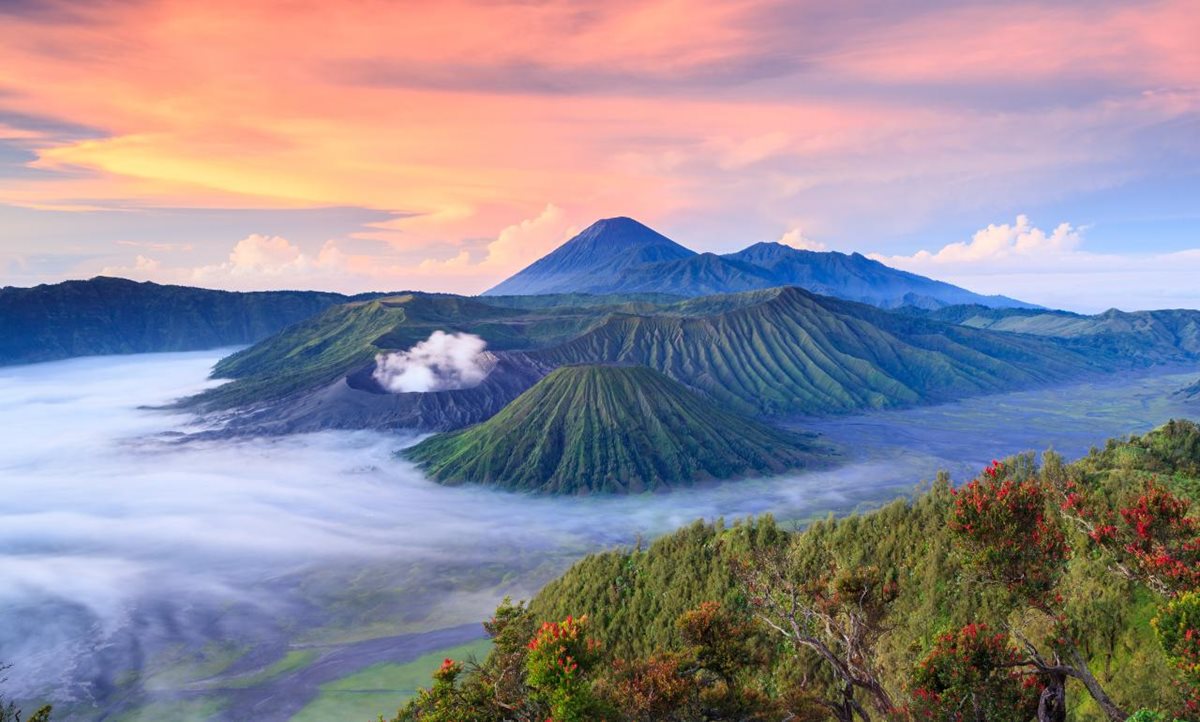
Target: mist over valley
143	566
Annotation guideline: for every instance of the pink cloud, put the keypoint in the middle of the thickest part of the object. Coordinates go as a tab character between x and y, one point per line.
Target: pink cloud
1152	44
732	119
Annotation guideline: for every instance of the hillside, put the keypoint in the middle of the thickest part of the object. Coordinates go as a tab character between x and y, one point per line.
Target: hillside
344	340
620	255
1144	337
773	352
780	351
608	429
700	275
118	316
889	590
787	351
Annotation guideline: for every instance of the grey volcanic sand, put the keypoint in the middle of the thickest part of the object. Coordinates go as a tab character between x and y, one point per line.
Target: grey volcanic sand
131	564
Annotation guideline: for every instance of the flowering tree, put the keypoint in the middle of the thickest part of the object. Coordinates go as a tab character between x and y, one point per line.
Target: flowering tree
972	675
1152	537
1177	627
556	669
1009	536
1013	537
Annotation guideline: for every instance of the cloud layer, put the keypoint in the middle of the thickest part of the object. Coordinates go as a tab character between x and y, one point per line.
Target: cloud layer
122	549
1054	268
482	132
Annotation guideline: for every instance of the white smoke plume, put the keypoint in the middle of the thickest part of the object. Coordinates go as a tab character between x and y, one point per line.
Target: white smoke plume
442	362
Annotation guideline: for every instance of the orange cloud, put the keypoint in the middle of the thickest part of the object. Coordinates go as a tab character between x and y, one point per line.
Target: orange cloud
467	116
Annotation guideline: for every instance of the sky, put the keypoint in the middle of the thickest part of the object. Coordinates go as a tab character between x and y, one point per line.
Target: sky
1048	151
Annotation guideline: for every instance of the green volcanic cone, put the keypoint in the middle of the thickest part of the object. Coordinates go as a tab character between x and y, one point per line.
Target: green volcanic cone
608	429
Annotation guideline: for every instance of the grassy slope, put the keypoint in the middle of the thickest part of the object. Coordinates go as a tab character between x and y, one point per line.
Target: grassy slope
787	351
381	688
778	351
318	350
634	596
1145	336
589	429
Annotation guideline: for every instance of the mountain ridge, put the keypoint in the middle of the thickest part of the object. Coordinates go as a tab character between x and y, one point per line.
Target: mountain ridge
621	255
108	315
773	352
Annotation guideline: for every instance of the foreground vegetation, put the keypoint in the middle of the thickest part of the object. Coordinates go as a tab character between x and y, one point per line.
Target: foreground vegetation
1040	590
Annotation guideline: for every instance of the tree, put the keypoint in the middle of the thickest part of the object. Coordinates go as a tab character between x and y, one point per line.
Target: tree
1013	537
445	701
658	689
1177	627
557	669
837	613
972	675
1151	537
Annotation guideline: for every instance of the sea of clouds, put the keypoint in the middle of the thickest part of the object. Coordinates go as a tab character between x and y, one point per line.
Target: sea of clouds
120	542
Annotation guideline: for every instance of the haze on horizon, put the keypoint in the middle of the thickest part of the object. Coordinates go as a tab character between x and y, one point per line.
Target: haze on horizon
1043	150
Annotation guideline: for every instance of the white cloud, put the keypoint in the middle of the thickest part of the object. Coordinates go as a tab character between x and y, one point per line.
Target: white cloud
796	239
264	254
441	362
261	261
142	266
1054	269
523	243
1002	241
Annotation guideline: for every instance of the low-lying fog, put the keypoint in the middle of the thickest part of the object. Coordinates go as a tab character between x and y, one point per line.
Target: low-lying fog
124	553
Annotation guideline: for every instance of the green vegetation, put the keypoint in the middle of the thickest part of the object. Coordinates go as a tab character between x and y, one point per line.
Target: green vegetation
196	710
1065	591
179	665
786	351
346	338
773	352
625	429
1141	337
292	661
306	355
116	316
360	696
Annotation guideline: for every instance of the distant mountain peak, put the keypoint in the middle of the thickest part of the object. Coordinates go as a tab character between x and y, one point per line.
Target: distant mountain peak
621	255
609	247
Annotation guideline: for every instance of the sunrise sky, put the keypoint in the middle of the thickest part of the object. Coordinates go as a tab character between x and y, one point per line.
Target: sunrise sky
1048	151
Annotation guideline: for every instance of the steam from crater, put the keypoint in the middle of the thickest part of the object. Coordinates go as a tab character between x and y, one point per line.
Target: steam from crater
442	362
